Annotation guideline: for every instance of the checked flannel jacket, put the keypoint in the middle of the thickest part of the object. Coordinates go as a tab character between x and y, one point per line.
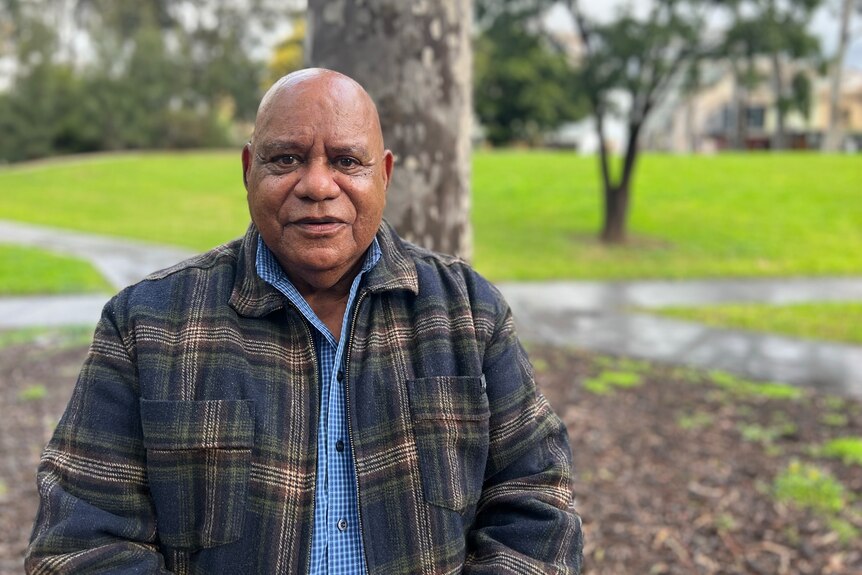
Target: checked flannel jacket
189	443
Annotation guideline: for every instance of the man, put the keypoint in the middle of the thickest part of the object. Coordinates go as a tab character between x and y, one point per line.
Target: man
318	396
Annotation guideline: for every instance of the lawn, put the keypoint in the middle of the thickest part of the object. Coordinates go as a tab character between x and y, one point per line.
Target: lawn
836	321
192	199
536	216
29	270
535	213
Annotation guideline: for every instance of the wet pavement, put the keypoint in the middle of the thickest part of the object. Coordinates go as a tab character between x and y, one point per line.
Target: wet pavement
609	317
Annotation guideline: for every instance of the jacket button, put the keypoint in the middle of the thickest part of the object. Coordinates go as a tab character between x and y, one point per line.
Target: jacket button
342	525
339	446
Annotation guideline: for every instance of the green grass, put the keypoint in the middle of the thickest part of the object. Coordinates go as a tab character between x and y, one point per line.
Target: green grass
744	388
847	449
56	338
834	321
187	199
535	214
607	381
808	486
29	270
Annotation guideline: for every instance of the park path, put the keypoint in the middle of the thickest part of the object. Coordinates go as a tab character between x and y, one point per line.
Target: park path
593	315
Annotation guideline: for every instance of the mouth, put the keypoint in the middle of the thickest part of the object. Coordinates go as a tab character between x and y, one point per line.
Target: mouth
319	225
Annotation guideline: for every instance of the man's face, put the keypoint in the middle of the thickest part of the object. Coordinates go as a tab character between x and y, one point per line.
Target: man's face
316	175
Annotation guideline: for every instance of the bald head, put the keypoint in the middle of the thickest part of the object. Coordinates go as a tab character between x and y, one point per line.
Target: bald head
323	83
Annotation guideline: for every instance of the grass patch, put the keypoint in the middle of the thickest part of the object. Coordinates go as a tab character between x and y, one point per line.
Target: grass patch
847	449
608	381
833	321
33	271
33	393
193	199
721	216
56	338
807	486
765	435
535	214
694	421
745	388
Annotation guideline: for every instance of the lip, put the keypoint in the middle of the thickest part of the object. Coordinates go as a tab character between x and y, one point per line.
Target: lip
321	226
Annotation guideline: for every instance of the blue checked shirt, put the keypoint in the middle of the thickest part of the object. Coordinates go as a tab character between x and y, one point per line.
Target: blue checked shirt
336	546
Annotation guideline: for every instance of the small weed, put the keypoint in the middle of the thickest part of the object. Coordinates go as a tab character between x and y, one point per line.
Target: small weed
847	449
540	365
4	489
724	522
765	435
635	365
745	388
697	420
606	382
834	420
809	487
835	403
845	530
33	393
687	375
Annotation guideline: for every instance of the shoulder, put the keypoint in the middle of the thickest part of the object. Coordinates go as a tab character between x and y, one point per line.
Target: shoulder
451	282
205	280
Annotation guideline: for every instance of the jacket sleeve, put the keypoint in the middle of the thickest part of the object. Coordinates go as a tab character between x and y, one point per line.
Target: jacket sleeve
95	512
525	521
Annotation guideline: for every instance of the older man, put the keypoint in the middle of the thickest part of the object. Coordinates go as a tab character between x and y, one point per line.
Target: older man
316	397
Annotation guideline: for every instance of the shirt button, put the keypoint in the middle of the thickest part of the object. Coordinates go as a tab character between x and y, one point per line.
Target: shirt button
340	375
339	446
342	525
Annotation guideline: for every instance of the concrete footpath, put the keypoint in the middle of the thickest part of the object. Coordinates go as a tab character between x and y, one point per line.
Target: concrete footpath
602	316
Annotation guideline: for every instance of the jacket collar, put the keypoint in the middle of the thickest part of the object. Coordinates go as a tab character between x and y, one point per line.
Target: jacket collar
253	297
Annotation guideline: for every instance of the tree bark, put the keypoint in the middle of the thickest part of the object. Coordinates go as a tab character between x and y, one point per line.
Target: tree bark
414	58
834	133
617	196
779	138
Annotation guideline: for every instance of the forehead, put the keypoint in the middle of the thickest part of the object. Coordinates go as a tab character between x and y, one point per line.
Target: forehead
323	109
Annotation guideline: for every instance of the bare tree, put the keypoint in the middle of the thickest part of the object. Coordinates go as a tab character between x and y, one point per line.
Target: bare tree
414	58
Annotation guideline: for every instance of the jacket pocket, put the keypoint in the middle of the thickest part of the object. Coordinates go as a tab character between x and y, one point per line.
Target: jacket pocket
450	424
198	462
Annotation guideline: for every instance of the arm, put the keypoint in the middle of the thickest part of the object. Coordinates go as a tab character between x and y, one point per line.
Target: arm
525	520
95	513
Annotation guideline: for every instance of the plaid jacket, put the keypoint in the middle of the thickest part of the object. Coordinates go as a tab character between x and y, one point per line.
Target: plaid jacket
189	443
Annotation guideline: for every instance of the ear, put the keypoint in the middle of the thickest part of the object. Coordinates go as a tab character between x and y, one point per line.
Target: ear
246	163
388	165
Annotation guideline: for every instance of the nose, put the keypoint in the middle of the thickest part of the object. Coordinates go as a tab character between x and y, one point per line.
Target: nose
317	182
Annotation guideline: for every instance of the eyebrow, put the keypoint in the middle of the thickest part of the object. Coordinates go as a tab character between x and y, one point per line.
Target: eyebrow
273	145
269	147
348	150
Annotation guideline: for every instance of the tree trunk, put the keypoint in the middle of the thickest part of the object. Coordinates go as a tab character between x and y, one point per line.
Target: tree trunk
779	139
614	228
414	58
834	133
739	132
616	215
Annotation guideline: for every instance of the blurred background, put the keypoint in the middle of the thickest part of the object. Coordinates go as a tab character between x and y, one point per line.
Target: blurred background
667	192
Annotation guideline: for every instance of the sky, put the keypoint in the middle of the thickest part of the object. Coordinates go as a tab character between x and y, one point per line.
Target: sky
824	24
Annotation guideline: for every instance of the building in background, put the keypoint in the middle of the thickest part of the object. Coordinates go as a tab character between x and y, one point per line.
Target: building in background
707	120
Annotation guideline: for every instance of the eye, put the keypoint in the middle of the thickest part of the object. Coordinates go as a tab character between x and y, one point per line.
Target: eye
285	160
346	162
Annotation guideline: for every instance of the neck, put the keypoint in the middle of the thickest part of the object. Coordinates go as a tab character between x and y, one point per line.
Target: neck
327	294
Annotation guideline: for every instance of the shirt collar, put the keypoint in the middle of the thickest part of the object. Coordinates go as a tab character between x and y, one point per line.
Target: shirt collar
270	271
253	297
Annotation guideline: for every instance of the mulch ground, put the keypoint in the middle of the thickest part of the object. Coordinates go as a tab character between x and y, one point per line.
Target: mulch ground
674	473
